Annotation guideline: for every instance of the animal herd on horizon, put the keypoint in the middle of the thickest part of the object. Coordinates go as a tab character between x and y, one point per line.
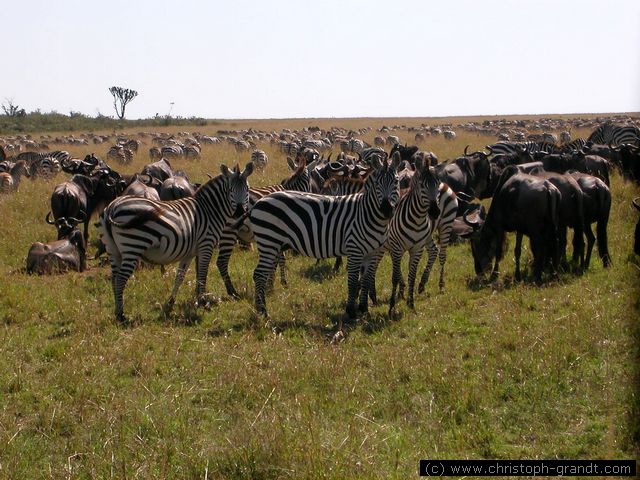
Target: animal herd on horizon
364	203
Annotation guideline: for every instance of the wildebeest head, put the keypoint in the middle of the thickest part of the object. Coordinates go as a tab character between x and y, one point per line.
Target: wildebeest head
68	253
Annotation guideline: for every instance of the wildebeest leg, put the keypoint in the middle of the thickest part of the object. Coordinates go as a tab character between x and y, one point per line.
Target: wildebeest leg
415	254
226	244
517	252
562	246
432	251
182	270
603	249
338	264
591	240
538	248
578	249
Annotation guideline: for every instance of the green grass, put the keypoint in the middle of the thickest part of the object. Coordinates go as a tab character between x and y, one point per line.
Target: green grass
505	371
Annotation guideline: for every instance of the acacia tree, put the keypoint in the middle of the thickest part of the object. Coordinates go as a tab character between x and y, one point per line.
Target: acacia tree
10	109
122	96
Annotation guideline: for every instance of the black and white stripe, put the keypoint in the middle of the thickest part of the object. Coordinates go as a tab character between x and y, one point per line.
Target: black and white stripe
298	181
511	148
159	232
259	159
323	226
615	135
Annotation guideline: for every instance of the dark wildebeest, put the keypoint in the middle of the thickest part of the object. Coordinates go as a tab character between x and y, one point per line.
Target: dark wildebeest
176	187
143	186
636	244
79	198
529	206
597	205
471	174
571	215
629	157
68	253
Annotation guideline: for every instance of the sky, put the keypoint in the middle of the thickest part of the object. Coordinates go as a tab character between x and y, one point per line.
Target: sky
349	58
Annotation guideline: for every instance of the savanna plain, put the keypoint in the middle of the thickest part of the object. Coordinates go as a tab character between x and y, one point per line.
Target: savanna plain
502	370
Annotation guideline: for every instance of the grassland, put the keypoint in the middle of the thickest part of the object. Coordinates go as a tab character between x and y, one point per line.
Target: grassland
505	371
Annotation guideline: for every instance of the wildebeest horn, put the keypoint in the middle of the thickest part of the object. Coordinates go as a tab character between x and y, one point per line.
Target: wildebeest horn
465	150
490	149
210	176
75	220
47	219
464	196
636	202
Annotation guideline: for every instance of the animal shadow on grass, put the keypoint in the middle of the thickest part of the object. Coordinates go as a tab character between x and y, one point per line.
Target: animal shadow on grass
183	313
320	271
508	281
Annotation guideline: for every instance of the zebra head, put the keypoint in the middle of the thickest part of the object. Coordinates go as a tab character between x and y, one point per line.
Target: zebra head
385	184
238	188
426	183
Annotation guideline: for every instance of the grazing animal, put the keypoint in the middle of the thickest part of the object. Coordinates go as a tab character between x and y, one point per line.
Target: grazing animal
597	206
9	181
323	226
259	159
168	232
160	170
529	206
614	135
68	253
176	187
471	175
298	181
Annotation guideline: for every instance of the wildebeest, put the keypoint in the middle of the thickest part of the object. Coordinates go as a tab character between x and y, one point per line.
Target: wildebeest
68	253
524	204
597	205
143	186
469	174
636	244
160	169
79	198
571	215
176	187
629	158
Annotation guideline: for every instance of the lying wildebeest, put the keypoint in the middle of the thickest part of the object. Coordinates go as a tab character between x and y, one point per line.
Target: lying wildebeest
636	244
68	253
529	206
571	215
597	204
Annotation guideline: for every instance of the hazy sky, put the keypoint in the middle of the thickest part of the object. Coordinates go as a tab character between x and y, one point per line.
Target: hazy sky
263	59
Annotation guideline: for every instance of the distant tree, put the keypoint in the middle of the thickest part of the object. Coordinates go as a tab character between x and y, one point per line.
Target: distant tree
10	109
122	96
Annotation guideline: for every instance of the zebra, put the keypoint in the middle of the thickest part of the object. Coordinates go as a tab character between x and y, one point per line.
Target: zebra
323	226
259	159
368	153
511	148
165	232
120	154
192	151
299	181
171	151
449	135
574	145
10	180
614	135
565	136
339	186
47	167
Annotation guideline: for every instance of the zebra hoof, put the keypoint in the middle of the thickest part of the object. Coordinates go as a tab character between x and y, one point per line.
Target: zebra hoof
410	304
123	320
352	312
207	302
421	288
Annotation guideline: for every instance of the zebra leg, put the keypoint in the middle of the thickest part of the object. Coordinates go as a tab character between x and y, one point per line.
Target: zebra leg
226	244
432	250
396	277
182	270
281	264
338	264
203	259
443	243
369	278
264	269
415	255
120	276
353	281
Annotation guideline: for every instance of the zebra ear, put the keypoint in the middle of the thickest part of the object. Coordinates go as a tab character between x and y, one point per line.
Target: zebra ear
248	170
291	163
375	162
225	170
419	164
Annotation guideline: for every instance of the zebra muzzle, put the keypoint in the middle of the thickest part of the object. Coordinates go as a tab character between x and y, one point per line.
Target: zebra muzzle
386	208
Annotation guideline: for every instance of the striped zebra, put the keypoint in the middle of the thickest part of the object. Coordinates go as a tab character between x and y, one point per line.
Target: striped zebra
10	180
574	145
367	154
323	226
120	154
166	232
511	148
259	159
192	151
614	135
171	151
339	185
299	181
46	164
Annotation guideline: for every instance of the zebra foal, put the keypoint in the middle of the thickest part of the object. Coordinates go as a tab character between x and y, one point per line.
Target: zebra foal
135	228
